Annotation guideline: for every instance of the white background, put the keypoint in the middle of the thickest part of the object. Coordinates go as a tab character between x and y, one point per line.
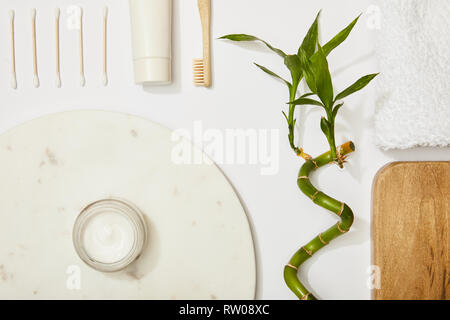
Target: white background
281	217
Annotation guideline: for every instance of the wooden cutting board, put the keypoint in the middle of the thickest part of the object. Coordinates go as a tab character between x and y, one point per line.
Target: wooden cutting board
410	230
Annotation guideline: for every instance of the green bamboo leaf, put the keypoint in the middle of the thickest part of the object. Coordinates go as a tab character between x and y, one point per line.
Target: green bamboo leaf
336	109
310	41
308	72
293	63
247	37
339	38
306	101
317	75
323	84
325	126
273	74
358	85
284	114
307	95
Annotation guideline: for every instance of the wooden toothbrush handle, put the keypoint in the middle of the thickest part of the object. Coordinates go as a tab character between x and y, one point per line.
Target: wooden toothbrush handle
204	8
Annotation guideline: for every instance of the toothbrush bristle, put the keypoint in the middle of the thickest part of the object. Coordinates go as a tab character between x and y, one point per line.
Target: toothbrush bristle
199	72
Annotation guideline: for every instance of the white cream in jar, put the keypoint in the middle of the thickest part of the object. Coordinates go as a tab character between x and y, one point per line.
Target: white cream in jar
109	234
108	237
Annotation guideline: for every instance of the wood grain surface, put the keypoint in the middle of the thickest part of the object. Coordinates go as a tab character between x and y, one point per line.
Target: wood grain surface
411	204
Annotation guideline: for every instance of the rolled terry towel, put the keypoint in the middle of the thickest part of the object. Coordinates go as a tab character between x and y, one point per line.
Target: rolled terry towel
413	89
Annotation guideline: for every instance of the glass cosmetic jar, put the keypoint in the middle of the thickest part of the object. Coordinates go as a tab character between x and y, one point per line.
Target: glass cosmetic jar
109	234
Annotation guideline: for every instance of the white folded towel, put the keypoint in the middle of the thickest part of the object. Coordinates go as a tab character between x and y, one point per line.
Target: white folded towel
413	48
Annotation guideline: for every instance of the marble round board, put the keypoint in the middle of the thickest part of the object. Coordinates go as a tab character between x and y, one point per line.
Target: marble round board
199	246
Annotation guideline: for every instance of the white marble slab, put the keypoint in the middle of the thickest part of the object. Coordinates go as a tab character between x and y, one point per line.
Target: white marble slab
200	243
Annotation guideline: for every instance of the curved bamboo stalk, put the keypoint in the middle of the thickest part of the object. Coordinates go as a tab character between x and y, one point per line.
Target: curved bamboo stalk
318	197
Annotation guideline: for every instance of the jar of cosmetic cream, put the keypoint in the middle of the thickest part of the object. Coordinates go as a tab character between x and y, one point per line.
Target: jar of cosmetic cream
109	234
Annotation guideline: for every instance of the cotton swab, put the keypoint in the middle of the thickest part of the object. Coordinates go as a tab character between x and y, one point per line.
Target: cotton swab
105	24
80	33
58	72
13	52
33	31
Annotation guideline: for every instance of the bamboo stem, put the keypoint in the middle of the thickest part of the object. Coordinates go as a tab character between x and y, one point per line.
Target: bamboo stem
292	93
339	208
291	123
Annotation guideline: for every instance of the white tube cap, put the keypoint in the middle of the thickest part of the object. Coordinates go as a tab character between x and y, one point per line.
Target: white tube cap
152	70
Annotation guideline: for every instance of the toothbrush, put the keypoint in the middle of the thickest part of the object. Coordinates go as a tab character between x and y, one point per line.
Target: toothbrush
58	73
105	24
33	31
80	38
202	67
13	52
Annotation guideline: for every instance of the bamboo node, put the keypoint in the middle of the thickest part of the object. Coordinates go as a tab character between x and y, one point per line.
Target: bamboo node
291	266
303	177
309	252
305	297
340	229
341	210
321	240
315	195
304	155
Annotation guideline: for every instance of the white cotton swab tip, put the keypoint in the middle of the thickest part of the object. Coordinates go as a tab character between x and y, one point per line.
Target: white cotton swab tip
36	81
105	12
82	80
80	11
58	81
33	13
105	79
14	81
11	14
57	13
